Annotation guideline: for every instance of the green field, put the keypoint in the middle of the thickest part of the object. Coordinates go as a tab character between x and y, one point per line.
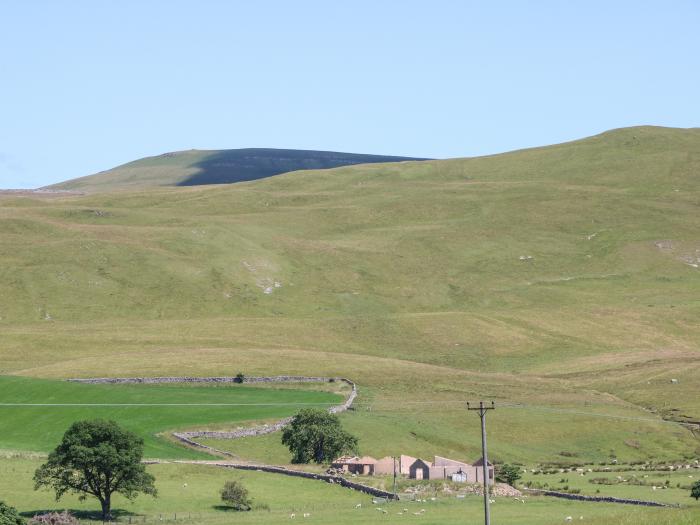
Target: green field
562	282
626	483
198	501
29	422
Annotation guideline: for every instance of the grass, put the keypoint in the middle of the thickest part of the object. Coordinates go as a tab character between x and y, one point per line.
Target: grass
198	502
39	428
622	484
408	279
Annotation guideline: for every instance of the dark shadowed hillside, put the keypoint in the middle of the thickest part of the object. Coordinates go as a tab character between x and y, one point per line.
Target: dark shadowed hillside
200	167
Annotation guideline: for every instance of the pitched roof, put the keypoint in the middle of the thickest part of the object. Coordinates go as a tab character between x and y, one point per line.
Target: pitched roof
480	462
446	462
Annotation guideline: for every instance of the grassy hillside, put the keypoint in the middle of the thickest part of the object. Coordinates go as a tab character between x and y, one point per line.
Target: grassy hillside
200	167
560	281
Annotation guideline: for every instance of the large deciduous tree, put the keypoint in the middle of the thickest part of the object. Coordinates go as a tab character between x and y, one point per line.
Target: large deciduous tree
97	458
316	435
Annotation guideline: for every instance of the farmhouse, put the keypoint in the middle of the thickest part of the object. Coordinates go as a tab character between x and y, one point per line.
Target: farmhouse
416	468
444	468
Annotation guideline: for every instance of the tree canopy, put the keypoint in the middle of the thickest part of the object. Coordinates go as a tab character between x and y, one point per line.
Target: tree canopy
97	458
316	435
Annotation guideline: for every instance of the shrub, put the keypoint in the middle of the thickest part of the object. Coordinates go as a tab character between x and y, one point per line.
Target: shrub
695	490
9	515
240	377
235	495
508	474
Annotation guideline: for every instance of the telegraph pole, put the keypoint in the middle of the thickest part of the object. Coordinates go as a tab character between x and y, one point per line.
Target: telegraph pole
482	409
394	460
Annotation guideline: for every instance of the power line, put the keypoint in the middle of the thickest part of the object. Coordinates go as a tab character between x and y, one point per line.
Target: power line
408	404
11	405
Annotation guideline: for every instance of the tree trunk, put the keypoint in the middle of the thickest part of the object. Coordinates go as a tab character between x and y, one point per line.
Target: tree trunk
106	508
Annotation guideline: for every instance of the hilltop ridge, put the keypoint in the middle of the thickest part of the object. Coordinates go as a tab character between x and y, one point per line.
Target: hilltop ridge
205	167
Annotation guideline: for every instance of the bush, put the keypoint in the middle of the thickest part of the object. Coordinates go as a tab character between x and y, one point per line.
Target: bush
695	490
9	515
240	377
508	474
54	518
235	495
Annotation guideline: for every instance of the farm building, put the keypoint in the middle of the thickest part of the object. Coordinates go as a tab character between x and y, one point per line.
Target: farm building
415	468
444	468
385	465
364	465
419	469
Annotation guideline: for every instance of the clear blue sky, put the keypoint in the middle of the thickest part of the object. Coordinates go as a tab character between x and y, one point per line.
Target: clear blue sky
87	85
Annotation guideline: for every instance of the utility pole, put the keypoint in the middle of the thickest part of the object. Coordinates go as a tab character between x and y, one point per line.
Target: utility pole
482	409
394	459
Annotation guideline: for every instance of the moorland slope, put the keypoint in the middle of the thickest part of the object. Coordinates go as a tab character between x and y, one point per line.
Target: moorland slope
561	281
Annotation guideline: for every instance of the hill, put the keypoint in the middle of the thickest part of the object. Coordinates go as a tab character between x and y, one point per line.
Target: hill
199	167
560	281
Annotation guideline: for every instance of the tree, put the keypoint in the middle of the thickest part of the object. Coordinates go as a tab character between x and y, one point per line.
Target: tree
695	490
316	435
235	495
97	458
9	515
508	474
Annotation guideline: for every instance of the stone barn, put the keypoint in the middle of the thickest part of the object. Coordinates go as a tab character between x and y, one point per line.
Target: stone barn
419	469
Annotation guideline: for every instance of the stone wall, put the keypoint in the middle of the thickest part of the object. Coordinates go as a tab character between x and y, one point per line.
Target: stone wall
189	437
602	499
310	475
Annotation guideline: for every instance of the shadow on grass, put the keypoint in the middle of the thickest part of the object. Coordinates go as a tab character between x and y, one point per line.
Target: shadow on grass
226	508
92	515
238	165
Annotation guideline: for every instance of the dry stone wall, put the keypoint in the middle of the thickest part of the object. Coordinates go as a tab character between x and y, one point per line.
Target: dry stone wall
190	437
604	499
310	475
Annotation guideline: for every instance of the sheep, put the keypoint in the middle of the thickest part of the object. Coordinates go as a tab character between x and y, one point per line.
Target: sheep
292	516
306	514
568	518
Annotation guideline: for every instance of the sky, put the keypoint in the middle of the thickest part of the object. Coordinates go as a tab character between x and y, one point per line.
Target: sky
86	85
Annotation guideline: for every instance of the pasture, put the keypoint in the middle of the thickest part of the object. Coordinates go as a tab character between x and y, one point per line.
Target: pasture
561	282
34	413
198	502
